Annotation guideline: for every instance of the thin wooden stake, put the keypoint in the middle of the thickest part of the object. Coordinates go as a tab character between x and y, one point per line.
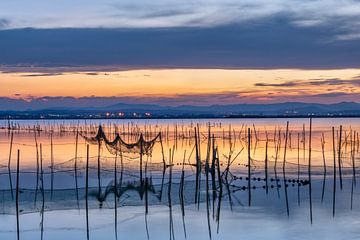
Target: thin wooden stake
249	168
17	194
339	157
309	170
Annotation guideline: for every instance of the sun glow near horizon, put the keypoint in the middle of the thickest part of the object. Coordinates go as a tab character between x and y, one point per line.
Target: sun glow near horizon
227	85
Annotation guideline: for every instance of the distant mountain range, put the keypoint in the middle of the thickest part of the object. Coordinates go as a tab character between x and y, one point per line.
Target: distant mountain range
105	107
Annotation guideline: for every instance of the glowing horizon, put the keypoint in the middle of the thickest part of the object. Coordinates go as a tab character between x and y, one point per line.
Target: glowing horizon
189	85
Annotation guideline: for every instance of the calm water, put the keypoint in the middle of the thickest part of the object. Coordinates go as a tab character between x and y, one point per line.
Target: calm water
167	193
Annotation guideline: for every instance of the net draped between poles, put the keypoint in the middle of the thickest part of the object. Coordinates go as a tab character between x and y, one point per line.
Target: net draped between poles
118	145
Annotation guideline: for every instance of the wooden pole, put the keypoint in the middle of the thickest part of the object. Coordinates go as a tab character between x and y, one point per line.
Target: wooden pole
298	168
9	165
334	183
52	163
266	165
284	171
17	194
75	165
249	168
309	171
115	194
87	191
339	156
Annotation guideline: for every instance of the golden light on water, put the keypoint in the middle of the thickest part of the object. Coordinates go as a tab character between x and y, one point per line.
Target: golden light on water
228	133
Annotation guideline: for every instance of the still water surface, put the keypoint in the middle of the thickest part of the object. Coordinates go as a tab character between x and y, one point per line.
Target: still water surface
168	193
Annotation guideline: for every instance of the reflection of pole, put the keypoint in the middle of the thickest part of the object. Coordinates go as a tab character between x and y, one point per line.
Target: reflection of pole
146	196
181	193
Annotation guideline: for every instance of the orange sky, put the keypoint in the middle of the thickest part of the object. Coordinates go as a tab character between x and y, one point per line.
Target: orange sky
255	84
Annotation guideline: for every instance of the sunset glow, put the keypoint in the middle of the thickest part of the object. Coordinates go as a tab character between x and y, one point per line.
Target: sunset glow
232	86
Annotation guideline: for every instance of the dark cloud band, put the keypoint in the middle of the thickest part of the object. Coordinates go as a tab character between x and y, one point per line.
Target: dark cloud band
272	43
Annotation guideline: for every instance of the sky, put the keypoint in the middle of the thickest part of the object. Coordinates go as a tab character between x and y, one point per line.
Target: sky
190	86
181	52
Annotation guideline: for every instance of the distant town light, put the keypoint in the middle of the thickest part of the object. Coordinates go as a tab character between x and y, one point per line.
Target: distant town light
121	114
107	114
148	114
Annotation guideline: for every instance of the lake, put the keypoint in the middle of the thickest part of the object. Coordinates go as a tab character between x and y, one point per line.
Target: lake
180	179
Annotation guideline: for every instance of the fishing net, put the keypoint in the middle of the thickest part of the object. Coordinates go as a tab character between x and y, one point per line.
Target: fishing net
118	145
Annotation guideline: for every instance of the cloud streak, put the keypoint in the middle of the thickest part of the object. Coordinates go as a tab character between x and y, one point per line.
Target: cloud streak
344	16
312	82
41	74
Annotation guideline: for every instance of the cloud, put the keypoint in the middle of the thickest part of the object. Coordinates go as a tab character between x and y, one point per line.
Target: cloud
41	74
344	16
334	82
92	73
284	84
166	13
4	23
312	82
264	45
348	36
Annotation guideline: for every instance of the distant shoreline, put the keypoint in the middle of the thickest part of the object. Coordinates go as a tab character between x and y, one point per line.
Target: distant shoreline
11	118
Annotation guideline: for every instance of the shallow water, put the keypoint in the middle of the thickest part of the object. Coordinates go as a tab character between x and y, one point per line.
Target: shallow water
53	203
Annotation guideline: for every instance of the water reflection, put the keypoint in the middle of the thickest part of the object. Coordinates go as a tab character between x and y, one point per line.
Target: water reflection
205	181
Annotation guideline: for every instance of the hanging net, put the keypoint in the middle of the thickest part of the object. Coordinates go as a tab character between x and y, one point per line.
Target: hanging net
118	145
